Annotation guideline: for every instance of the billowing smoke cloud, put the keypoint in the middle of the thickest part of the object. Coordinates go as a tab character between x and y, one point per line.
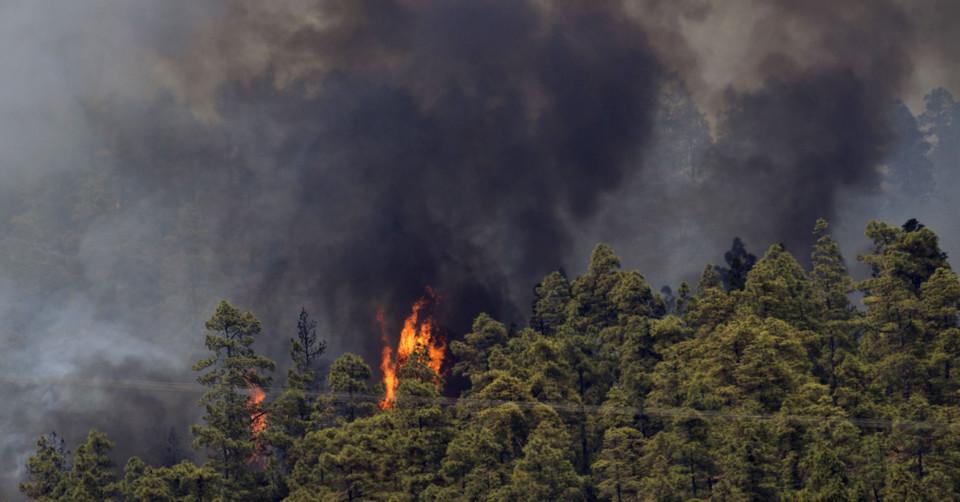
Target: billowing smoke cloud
787	151
344	155
802	94
818	125
346	159
442	144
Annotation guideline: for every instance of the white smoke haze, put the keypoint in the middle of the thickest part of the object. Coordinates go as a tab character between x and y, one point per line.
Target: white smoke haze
157	157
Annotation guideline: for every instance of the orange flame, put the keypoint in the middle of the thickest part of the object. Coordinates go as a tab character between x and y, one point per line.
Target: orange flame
419	329
258	419
387	365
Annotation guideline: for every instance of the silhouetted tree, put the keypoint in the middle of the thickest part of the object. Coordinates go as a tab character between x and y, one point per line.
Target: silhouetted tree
307	348
739	262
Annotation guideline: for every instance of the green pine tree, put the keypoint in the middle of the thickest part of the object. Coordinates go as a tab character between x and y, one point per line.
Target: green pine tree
546	472
46	468
92	478
231	372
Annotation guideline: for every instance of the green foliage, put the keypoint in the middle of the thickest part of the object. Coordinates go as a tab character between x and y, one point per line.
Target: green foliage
305	350
545	472
617	469
46	469
778	287
474	351
829	272
549	307
231	373
603	260
910	301
348	375
712	304
910	254
293	413
778	388
92	478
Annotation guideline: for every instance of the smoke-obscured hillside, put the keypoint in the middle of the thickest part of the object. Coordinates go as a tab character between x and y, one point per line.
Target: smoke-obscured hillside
344	156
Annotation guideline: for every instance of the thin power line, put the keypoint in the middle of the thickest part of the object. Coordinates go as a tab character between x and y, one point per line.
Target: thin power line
681	413
110	383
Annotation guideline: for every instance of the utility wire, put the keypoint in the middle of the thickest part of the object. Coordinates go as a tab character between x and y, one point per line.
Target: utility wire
110	383
679	413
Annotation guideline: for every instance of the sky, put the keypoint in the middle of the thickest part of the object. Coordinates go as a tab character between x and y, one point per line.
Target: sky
342	156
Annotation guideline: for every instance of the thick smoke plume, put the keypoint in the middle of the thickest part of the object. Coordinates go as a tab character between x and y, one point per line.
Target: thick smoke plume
817	126
801	95
442	144
344	155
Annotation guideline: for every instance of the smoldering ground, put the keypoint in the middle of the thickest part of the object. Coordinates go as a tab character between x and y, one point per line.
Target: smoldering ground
343	156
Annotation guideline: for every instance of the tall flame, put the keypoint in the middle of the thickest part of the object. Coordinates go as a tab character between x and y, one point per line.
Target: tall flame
387	365
419	329
258	419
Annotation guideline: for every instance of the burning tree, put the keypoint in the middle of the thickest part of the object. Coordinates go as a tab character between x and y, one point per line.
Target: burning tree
234	374
420	331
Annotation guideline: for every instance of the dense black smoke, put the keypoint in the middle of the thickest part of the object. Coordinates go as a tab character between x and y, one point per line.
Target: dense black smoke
344	155
446	144
801	129
815	128
788	150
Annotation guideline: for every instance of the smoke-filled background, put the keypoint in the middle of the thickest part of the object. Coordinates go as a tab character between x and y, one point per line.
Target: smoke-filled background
342	156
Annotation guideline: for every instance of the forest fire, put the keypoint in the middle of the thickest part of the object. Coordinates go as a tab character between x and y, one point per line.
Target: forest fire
258	419
419	329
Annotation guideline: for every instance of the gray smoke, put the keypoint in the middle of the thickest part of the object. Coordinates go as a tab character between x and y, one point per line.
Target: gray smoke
403	146
803	95
345	155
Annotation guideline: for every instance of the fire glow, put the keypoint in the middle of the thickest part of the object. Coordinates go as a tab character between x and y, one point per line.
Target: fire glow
419	329
258	419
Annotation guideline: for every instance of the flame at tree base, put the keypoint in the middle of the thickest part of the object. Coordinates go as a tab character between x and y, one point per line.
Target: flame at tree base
258	421
419	330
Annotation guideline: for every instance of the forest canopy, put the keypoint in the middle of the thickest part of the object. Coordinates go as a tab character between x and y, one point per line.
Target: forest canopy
761	382
423	181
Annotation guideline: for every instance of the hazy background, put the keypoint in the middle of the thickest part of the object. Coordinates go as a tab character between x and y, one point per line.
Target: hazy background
341	156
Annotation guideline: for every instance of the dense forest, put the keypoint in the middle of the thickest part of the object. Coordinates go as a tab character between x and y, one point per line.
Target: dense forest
423	181
762	382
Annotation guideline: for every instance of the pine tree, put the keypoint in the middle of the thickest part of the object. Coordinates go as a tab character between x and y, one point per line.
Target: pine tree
617	469
291	415
739	262
306	350
910	170
545	472
681	304
92	479
353	462
347	381
422	430
746	461
826	463
473	352
46	468
712	305
940	306
550	305
832	285
472	468
144	483
778	287
897	338
232	372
